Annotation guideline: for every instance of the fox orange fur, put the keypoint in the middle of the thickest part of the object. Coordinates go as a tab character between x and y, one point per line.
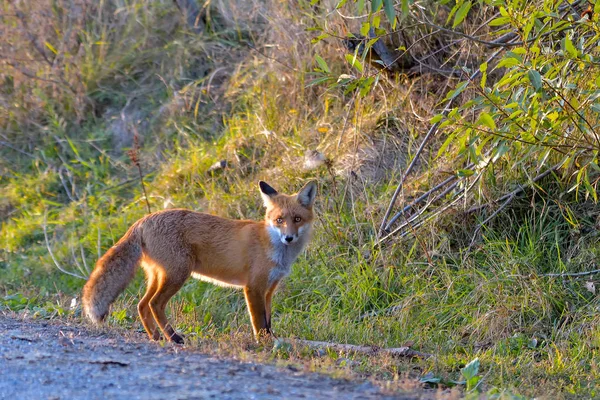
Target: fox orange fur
172	245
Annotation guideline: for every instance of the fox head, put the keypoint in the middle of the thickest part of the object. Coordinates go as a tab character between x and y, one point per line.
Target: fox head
289	218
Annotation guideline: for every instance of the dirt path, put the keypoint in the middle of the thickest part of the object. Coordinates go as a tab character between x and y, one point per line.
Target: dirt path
41	360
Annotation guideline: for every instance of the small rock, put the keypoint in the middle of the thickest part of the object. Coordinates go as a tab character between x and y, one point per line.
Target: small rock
218	166
590	287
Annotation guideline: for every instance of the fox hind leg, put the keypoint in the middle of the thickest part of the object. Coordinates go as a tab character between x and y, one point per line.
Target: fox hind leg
167	287
144	307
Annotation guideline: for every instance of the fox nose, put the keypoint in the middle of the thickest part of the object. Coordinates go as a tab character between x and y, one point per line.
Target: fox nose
289	238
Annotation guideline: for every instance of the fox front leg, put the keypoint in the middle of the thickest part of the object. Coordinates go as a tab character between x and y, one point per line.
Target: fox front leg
255	300
268	298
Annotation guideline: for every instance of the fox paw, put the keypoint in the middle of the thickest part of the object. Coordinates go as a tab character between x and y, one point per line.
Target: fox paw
175	338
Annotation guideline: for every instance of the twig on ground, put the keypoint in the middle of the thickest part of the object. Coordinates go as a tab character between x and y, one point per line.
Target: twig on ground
570	274
357	349
559	274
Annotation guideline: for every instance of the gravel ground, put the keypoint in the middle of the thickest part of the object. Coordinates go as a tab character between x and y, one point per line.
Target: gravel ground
45	360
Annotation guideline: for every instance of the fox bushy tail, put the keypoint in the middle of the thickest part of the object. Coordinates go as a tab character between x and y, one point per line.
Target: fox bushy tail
112	274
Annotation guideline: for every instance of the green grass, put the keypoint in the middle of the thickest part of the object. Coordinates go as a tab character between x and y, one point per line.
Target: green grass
534	335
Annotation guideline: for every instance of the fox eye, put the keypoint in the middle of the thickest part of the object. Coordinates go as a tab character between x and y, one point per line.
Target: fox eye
297	219
279	220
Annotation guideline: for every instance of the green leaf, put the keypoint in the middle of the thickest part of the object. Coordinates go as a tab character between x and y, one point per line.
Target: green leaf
375	5
510	78
452	12
500	151
487	120
471	383
535	78
483	69
461	173
390	12
376	21
499	21
360	5
405	8
366	86
528	137
370	43
528	29
459	89
508	62
445	145
515	114
552	116
355	62
569	48
319	81
436	119
364	29
52	49
322	64
319	38
380	31
461	14
471	369
588	186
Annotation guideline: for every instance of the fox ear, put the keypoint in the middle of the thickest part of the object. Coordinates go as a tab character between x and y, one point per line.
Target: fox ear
266	192
306	195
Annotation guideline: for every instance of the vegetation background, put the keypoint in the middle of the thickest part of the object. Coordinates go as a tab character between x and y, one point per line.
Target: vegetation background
455	145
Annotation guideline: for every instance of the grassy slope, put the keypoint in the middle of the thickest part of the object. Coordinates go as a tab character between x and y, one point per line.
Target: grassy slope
196	100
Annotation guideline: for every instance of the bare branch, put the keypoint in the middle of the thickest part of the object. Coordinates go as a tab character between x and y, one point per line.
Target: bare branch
357	349
569	274
385	226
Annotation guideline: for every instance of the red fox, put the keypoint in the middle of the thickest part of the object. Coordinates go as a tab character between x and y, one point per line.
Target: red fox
172	245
